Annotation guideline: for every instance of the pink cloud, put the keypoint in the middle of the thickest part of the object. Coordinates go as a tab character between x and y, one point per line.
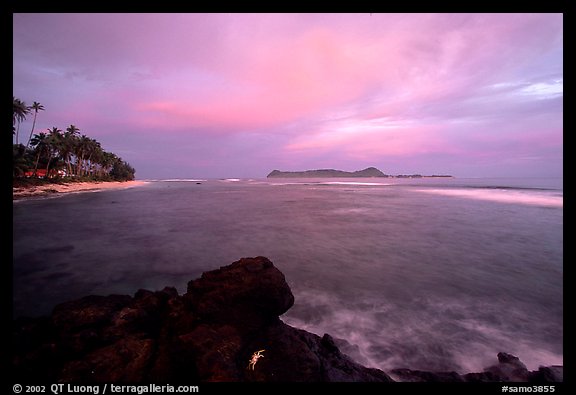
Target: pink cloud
238	79
363	139
293	78
347	85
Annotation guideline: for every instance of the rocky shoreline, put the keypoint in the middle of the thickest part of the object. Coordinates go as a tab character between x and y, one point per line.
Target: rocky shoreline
209	334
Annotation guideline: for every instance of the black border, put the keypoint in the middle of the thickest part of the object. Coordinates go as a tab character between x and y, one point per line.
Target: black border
357	6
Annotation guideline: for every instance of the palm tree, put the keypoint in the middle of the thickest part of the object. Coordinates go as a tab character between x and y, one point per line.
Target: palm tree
80	150
40	142
95	151
54	141
107	162
19	112
69	143
20	161
122	171
36	107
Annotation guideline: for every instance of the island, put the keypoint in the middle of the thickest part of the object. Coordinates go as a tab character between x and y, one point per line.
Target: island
326	173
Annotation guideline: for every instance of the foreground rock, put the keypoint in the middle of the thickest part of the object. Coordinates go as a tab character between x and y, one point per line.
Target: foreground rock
508	369
208	334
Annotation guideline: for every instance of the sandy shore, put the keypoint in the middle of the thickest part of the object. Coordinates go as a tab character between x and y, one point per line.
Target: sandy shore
51	189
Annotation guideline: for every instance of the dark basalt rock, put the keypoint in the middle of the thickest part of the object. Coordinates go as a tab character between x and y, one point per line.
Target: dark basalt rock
547	374
508	369
247	293
208	334
408	375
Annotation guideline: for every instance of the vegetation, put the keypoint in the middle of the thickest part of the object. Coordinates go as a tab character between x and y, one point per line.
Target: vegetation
57	155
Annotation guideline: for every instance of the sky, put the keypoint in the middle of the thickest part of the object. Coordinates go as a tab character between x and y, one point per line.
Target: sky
239	95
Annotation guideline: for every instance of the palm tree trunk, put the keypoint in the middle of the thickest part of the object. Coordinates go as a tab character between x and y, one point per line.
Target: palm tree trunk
78	165
81	166
48	165
89	165
32	131
37	161
69	166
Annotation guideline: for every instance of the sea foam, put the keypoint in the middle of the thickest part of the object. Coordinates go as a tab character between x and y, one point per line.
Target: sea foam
526	197
181	180
354	183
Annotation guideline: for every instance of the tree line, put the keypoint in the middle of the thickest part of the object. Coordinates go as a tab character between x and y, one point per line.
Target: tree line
56	153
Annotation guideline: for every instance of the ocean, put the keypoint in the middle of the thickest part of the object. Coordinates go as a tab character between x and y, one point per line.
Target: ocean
431	273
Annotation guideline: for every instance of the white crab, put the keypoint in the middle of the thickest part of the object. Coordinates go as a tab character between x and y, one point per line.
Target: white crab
257	355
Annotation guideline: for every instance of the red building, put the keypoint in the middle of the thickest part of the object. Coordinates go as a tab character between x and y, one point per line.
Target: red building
41	173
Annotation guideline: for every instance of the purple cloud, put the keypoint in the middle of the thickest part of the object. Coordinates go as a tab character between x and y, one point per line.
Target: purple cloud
235	95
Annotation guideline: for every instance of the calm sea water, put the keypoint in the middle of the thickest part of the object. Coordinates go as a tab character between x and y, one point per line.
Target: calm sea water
436	274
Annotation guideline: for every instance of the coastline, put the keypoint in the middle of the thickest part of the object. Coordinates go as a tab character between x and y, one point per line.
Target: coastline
20	193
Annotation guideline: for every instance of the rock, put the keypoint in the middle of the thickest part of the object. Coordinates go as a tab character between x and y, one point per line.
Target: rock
483	377
88	312
208	334
548	374
80	323
238	307
248	293
125	361
408	375
214	350
509	369
339	367
36	351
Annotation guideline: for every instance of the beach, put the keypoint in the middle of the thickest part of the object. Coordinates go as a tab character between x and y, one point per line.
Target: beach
51	189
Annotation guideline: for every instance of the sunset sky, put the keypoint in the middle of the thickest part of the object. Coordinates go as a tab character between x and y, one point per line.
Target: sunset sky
238	95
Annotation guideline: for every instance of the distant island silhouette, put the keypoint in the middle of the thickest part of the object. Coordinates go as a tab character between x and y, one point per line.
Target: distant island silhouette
369	172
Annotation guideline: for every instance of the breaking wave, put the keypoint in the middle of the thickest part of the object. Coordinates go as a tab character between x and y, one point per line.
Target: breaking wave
504	195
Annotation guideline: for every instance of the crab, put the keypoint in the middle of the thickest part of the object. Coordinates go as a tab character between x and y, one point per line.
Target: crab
257	355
